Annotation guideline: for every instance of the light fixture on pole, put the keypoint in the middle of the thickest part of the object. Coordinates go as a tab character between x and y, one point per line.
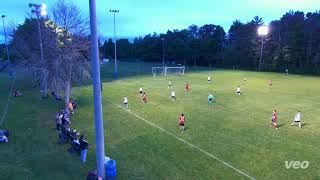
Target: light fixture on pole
114	11
262	31
40	10
5	38
163	39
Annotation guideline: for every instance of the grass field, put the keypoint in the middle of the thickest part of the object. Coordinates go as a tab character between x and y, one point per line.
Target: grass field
146	142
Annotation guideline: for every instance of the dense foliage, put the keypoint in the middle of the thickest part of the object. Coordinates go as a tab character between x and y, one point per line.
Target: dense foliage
293	42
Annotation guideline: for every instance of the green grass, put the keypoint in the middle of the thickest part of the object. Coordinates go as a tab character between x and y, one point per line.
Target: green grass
235	129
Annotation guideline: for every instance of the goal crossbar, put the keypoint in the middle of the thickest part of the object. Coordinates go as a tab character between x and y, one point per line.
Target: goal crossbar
165	70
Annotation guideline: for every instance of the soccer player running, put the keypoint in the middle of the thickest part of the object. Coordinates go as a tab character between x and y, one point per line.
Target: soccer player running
274	119
210	99
144	98
187	87
238	91
209	79
297	119
141	91
182	120
125	102
169	84
270	83
173	95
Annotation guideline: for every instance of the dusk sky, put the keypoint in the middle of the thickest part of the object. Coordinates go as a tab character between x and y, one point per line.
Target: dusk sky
140	17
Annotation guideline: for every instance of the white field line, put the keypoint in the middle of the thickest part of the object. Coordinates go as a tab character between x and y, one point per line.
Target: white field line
189	144
5	111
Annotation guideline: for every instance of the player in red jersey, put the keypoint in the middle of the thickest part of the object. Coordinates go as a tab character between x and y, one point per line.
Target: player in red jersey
181	122
187	87
269	83
144	98
274	119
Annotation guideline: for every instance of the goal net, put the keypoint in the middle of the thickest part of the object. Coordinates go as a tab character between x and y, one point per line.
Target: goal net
168	70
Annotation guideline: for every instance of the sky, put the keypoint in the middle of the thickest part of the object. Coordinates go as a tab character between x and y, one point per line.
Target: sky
141	17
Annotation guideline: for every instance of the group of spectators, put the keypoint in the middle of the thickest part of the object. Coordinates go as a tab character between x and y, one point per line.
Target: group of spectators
71	136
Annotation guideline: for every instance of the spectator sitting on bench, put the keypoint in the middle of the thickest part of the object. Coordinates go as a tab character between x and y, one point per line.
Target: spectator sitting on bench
65	120
64	135
75	144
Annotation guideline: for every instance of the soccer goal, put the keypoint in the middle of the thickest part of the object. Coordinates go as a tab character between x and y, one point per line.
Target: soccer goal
168	70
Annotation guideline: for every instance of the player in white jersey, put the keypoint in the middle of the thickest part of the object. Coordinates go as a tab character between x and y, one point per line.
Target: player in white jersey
169	84
141	91
125	102
297	119
173	95
238	91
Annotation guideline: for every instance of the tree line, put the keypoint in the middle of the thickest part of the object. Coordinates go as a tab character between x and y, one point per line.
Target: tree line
293	42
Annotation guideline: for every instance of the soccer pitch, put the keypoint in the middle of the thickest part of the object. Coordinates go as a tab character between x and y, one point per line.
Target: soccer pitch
229	140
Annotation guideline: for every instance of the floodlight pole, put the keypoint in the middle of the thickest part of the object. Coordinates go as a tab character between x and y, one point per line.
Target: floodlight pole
98	118
5	38
261	52
37	11
115	43
163	50
40	38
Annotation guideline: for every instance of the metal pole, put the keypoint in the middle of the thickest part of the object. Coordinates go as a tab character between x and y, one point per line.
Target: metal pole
5	38
261	53
163	51
115	45
98	119
41	51
40	36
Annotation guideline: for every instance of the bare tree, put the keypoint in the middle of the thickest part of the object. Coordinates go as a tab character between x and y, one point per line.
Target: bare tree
65	44
73	48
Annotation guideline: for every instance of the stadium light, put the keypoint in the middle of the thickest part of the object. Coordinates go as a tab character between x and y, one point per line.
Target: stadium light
114	11
262	31
5	38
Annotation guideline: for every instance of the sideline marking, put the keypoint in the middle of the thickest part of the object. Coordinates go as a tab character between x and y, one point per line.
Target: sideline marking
5	111
193	146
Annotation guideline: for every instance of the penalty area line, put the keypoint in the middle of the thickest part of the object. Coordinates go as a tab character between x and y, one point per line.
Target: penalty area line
189	144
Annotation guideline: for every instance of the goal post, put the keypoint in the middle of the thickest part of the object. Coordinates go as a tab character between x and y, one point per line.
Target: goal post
165	70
